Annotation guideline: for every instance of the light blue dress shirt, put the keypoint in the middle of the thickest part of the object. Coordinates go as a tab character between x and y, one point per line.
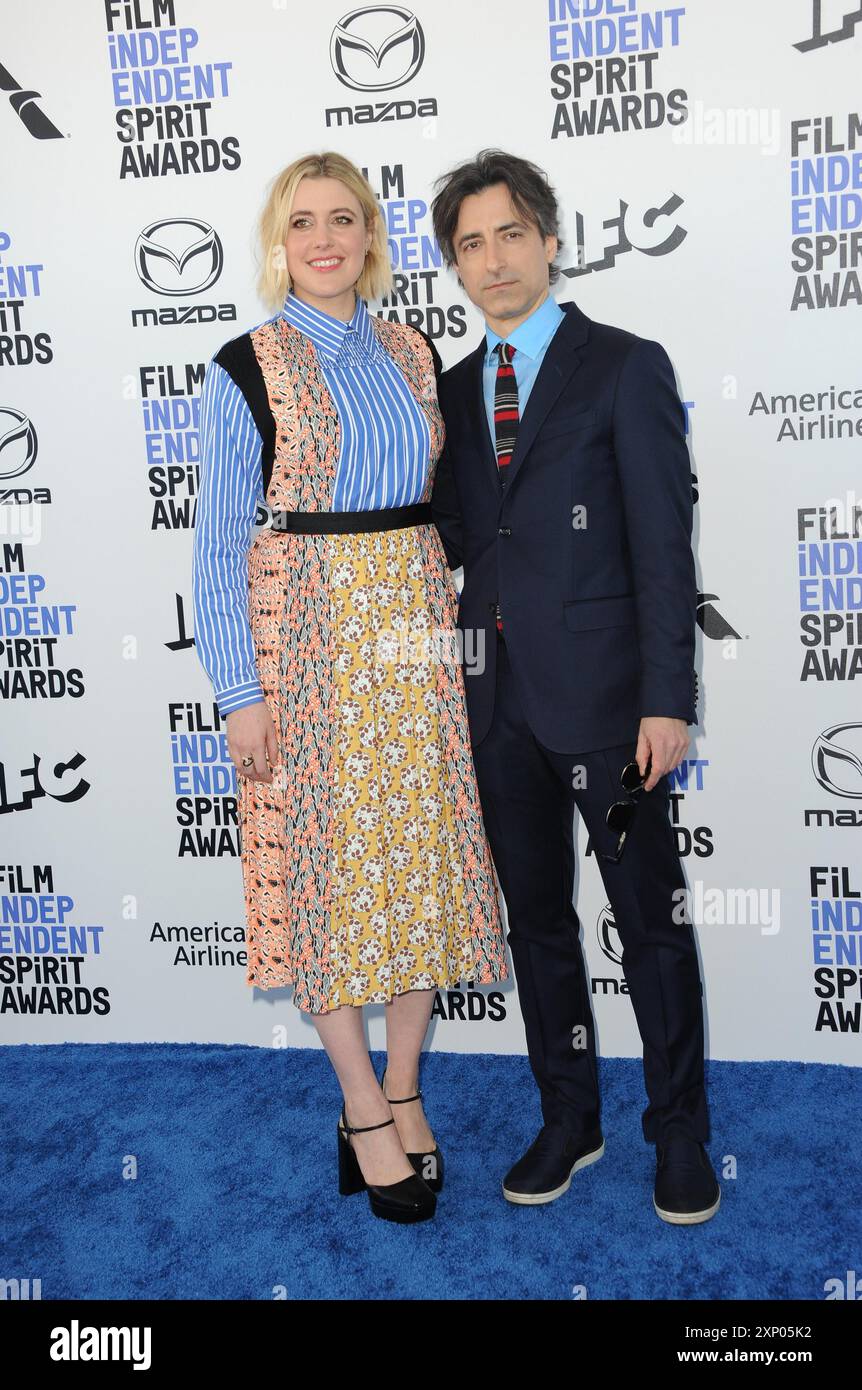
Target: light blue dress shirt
383	462
530	341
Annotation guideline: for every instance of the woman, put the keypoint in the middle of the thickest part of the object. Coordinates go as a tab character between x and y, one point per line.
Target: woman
366	871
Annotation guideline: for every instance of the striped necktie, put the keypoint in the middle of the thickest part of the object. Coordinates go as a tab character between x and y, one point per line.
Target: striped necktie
505	405
505	418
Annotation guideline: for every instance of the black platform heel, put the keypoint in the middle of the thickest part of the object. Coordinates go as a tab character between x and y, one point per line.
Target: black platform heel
429	1166
410	1199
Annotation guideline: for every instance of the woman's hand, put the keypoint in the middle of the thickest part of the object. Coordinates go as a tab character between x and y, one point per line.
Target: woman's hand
251	734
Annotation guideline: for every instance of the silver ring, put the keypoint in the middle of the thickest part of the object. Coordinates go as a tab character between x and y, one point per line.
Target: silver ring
247	762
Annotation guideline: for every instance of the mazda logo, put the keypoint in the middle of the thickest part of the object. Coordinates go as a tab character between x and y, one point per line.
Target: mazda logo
178	256
836	760
18	445
376	48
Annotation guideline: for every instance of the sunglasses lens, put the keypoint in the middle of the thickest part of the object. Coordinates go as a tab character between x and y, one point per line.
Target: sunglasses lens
631	777
620	816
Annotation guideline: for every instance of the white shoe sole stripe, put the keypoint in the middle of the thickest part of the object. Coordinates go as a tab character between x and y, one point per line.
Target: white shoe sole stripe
687	1218
535	1199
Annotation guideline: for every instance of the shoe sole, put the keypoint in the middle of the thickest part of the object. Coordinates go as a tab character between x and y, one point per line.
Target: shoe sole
687	1218
402	1218
535	1199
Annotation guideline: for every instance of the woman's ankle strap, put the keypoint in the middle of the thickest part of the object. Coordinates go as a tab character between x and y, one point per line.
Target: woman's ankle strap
363	1129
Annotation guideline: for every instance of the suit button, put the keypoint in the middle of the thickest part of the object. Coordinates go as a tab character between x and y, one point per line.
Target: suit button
505	530
492	607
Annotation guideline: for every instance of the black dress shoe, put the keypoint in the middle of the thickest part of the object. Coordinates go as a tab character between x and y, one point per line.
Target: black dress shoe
410	1199
429	1166
686	1188
545	1171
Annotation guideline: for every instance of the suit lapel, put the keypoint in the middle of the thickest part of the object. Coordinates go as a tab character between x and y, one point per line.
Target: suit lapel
563	357
479	416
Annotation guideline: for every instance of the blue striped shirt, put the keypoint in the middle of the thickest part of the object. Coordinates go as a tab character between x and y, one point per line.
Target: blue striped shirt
383	462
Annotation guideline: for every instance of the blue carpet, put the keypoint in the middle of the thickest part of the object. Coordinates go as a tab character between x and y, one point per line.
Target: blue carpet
236	1196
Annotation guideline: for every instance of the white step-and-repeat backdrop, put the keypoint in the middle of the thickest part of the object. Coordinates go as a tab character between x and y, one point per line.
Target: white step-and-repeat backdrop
708	159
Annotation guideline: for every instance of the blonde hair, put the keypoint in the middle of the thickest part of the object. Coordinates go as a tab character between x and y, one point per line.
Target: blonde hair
273	281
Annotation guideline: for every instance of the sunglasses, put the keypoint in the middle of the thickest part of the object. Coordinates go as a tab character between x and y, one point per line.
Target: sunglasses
622	813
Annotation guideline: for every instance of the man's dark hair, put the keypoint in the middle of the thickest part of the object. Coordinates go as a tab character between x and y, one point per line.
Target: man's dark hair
531	194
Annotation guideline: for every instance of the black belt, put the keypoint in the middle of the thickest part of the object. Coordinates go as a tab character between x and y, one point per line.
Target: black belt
334	523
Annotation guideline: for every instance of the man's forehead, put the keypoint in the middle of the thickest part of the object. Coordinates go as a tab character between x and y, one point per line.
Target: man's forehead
475	207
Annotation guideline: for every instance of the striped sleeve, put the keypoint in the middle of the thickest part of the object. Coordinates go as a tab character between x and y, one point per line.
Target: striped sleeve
230	488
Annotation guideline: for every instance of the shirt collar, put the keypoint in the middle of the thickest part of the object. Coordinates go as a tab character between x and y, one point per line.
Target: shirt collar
329	334
531	336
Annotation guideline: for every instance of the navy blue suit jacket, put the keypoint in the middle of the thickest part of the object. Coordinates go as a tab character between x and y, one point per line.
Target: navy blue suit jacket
588	546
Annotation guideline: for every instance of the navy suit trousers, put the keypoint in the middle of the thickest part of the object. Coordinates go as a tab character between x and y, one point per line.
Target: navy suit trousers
528	802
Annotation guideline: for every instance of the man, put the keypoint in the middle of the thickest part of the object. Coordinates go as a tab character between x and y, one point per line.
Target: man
565	491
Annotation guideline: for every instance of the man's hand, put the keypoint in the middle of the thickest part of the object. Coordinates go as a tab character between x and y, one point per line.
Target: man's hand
666	741
251	733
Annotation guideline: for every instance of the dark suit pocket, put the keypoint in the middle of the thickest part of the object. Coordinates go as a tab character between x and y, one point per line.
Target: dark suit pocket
568	422
586	614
